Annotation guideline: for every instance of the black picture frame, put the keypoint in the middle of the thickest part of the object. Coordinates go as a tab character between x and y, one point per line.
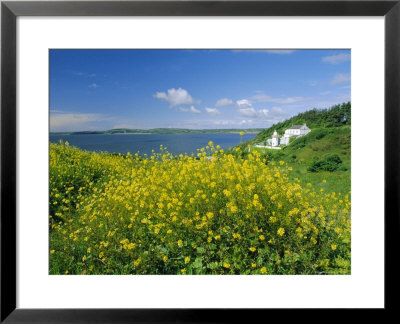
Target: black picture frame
10	10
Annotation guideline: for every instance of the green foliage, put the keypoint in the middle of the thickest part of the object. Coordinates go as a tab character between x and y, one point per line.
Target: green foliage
115	214
315	145
307	149
335	116
330	163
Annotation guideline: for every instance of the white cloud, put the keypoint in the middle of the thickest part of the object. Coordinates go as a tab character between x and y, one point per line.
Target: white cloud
212	111
274	114
341	78
263	113
288	100
234	122
192	110
93	85
246	109
207	123
65	121
336	59
246	122
224	102
175	97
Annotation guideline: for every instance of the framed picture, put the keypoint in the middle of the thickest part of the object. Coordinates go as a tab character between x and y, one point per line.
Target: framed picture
170	161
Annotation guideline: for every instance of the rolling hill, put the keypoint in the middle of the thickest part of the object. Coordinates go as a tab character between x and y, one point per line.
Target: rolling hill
335	116
330	135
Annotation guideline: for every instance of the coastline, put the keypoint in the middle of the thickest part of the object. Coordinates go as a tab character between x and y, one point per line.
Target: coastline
161	131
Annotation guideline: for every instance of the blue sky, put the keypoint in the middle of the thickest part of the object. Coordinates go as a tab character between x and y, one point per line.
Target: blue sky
105	89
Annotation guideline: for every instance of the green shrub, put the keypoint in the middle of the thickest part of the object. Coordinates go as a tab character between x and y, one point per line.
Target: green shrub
277	156
330	163
321	134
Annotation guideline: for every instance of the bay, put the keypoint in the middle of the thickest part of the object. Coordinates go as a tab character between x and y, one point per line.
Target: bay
145	143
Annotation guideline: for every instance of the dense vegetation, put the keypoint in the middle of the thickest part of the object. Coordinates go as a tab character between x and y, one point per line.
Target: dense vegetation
335	116
334	137
229	214
330	163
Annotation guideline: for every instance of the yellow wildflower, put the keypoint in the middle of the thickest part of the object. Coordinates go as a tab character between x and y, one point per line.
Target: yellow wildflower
281	231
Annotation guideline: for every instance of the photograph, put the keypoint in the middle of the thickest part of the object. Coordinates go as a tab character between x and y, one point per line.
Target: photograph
199	161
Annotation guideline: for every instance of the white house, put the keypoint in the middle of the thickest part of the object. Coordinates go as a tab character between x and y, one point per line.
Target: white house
294	131
297	130
275	139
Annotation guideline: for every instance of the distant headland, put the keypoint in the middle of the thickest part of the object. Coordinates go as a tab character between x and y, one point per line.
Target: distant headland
161	131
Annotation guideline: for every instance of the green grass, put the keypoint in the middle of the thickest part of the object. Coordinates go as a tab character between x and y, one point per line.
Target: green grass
333	117
316	145
338	181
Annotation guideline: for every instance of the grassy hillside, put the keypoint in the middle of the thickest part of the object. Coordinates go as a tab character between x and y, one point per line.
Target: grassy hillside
317	145
335	116
330	135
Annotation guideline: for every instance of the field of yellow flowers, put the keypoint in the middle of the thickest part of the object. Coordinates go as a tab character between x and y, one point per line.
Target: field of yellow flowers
165	214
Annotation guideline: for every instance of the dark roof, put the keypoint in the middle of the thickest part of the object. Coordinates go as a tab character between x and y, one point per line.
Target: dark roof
296	126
